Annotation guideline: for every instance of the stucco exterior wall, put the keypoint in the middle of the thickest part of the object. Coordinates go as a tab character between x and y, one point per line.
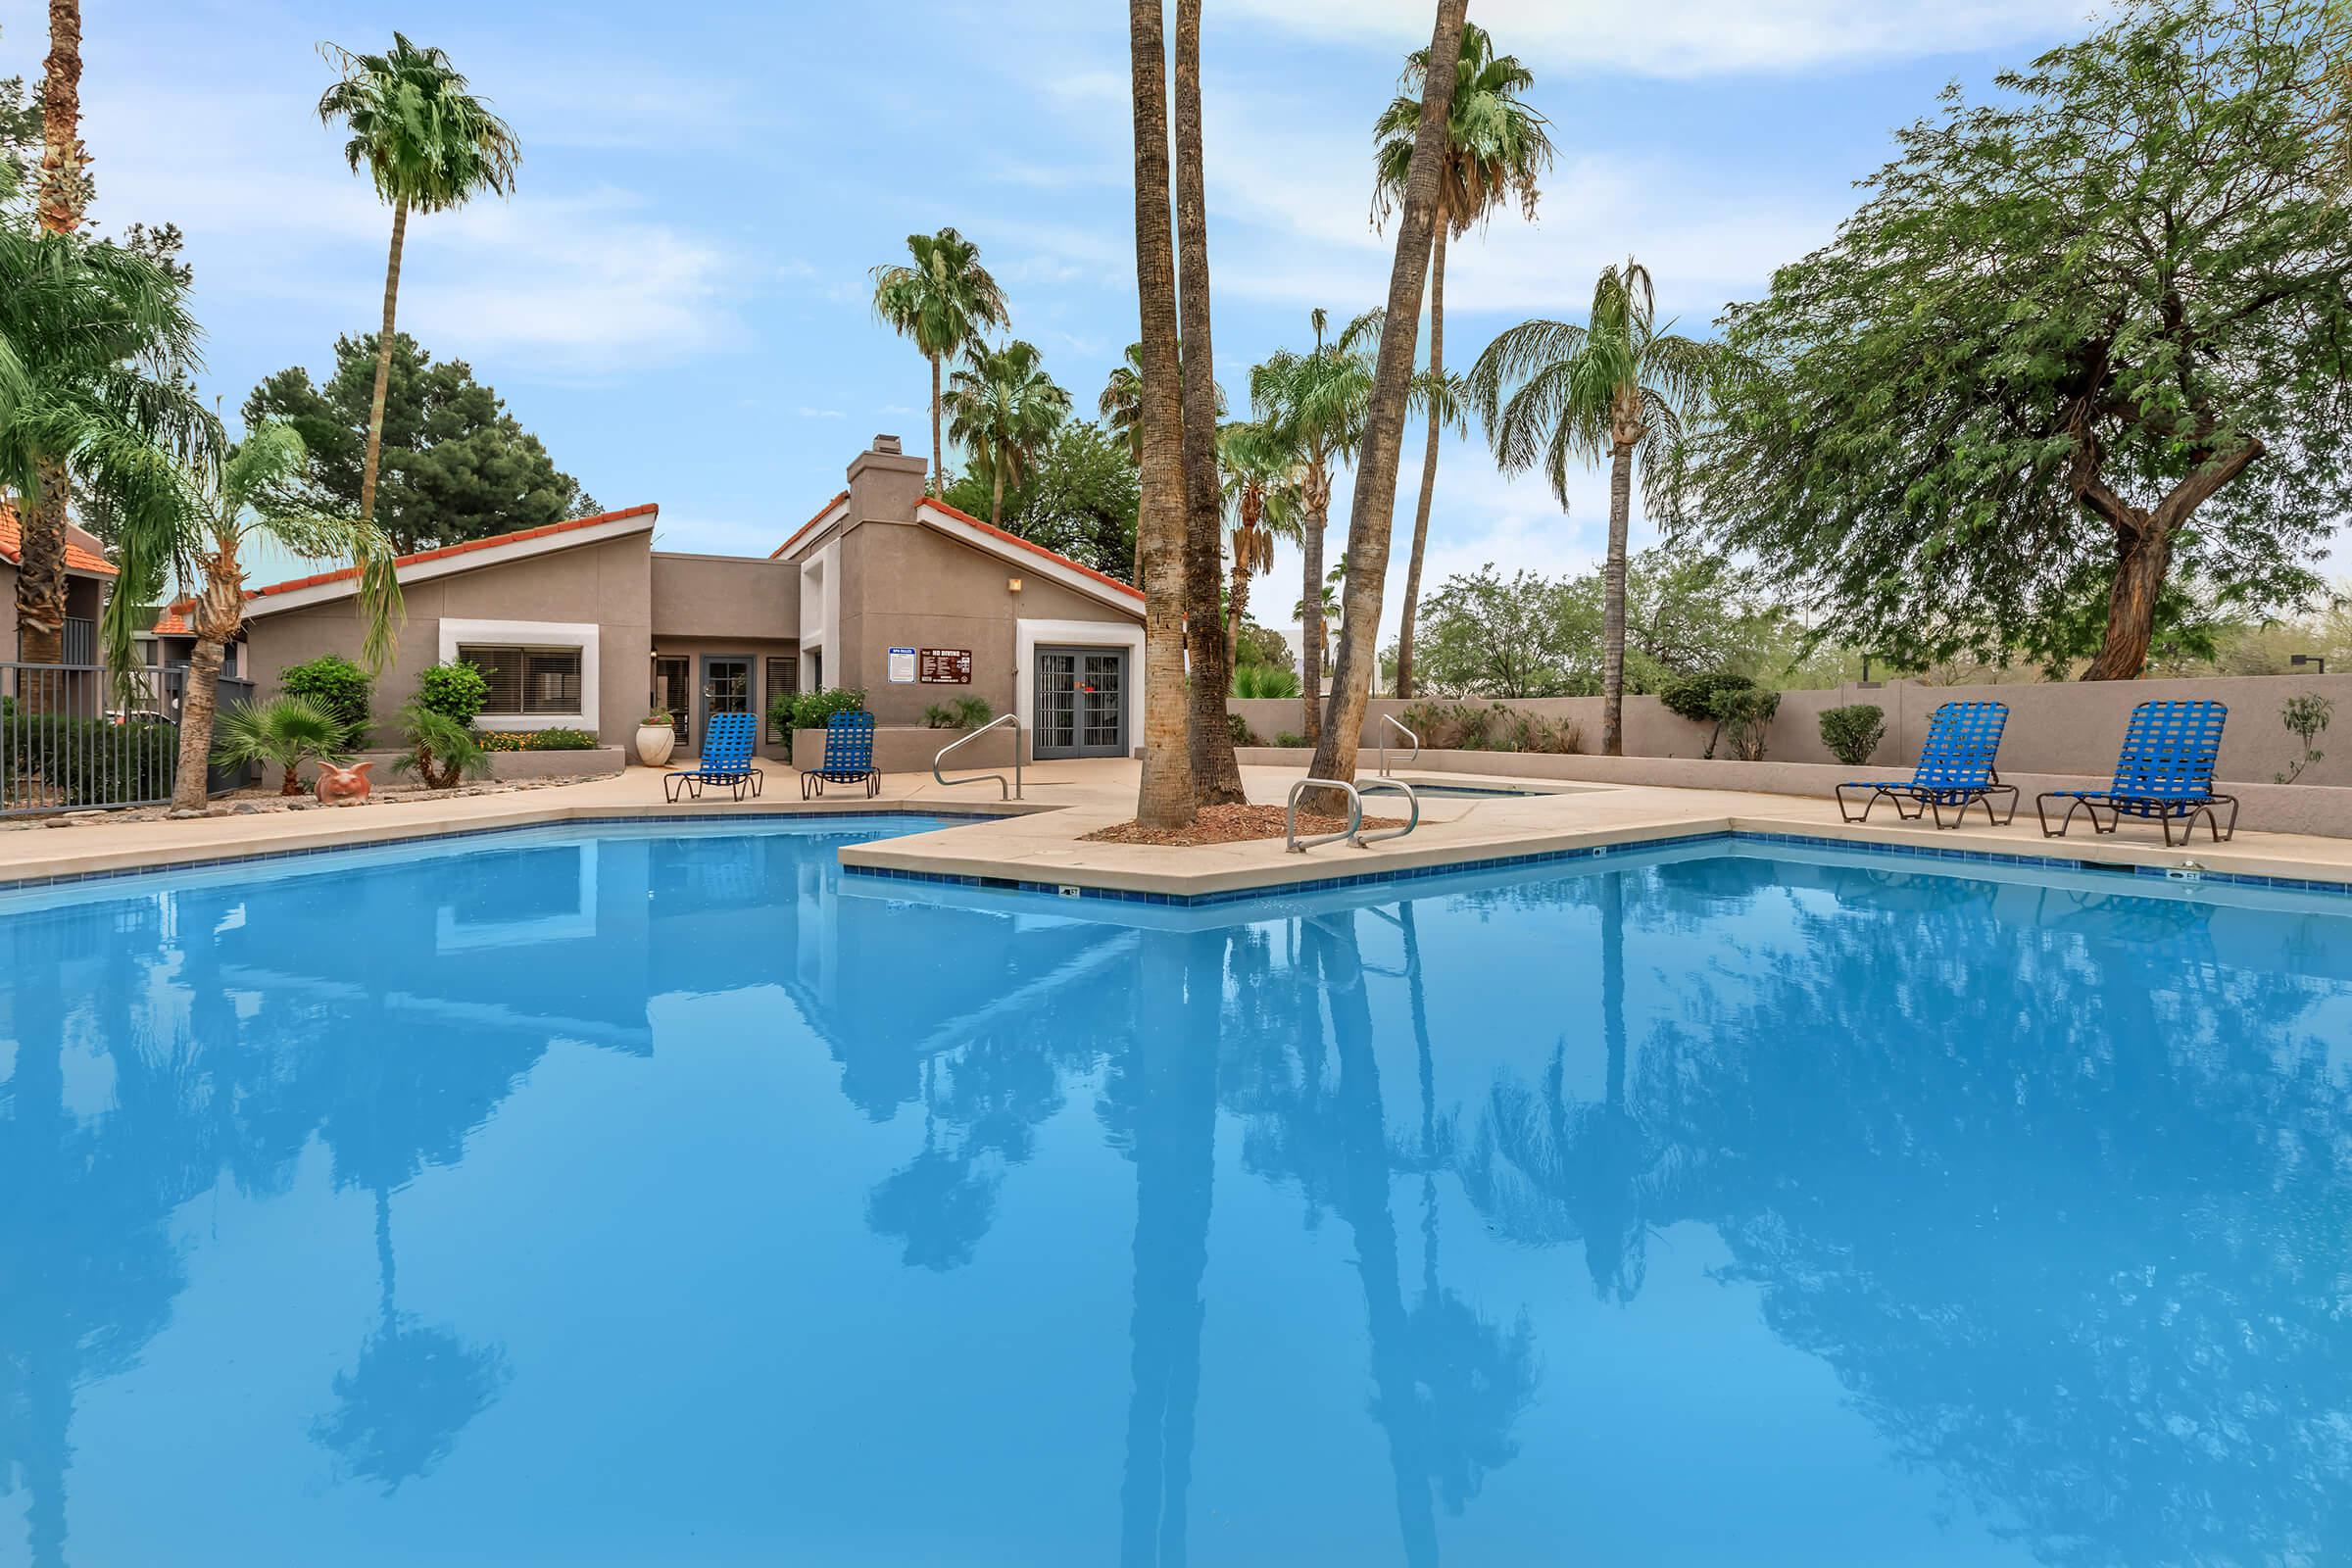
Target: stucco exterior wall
726	597
910	586
760	652
608	583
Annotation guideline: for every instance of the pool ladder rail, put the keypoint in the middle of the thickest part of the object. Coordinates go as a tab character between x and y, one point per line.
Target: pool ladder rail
1389	722
1013	787
1354	832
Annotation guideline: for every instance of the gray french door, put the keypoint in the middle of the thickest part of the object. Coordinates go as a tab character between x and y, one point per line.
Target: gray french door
1081	702
726	685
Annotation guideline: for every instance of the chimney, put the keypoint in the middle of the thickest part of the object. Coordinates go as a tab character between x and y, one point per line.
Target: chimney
885	484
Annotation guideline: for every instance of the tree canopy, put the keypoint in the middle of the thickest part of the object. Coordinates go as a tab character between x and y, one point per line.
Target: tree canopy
2095	329
1078	495
457	465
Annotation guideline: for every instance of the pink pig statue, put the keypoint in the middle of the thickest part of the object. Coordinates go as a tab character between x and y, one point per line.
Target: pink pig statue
343	786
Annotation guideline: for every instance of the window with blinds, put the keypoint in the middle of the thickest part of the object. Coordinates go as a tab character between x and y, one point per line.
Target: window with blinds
529	681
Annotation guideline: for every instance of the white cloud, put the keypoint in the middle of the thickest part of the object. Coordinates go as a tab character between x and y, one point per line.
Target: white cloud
808	413
1696	38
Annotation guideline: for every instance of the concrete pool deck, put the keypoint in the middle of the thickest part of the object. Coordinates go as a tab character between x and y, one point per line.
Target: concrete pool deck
1038	839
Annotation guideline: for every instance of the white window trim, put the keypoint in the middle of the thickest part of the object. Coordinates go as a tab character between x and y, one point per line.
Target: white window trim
1028	634
586	636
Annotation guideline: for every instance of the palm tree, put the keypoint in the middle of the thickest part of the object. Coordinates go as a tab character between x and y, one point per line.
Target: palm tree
1166	797
63	191
426	144
1550	394
284	731
1262	489
1003	407
250	501
1496	146
97	351
1121	404
1315	404
943	300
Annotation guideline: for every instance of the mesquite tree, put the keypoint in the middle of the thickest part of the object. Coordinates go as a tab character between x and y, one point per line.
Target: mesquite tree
2078	338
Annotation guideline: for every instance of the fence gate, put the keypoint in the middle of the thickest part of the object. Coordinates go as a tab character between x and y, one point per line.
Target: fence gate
78	736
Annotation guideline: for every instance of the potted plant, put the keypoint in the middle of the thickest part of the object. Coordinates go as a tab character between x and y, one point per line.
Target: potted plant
657	738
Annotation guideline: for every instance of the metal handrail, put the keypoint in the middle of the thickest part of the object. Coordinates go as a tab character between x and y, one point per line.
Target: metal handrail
1364	841
1013	790
1355	816
1392	718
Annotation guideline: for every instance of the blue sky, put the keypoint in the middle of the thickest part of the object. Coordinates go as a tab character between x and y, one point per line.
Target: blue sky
675	297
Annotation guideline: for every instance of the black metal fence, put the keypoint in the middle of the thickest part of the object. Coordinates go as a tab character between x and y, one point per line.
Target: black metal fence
74	737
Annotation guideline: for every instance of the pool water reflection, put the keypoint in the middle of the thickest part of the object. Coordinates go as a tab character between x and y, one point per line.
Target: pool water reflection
630	1196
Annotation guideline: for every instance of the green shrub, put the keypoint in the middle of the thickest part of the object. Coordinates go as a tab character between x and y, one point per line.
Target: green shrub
93	761
2306	719
965	712
1264	680
335	684
1708	698
561	738
441	750
504	740
1494	728
1243	735
1852	733
455	689
811	710
1286	737
1743	716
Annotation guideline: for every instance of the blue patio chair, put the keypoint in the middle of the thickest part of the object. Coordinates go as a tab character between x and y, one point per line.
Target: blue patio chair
2165	771
1955	769
727	741
849	756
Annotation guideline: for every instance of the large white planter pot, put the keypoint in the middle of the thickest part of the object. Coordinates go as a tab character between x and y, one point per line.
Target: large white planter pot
655	743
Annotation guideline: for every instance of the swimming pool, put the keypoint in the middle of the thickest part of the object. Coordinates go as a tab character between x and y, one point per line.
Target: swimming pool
658	1195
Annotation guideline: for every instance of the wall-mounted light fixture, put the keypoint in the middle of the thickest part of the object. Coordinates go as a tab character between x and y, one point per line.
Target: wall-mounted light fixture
2306	661
1012	585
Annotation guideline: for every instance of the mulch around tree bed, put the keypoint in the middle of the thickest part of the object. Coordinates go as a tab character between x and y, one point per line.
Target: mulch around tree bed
1232	825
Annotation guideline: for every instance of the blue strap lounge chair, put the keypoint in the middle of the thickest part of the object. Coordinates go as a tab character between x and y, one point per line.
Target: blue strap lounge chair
1955	769
726	760
2165	771
849	756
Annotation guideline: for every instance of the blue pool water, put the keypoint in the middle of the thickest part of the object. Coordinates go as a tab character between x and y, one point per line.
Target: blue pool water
655	1196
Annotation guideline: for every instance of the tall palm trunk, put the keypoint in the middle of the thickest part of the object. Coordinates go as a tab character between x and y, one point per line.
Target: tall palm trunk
41	572
1217	776
383	365
1237	599
1310	607
199	704
1372	514
1612	602
996	494
1429	456
1164	797
939	474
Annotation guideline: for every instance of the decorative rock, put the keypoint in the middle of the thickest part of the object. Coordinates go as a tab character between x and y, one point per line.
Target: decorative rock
182	814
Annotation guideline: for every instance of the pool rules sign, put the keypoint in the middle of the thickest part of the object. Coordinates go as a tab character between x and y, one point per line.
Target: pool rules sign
946	666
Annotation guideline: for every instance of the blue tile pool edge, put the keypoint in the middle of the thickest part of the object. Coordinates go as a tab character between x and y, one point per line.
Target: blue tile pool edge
1589	852
214	863
1190	899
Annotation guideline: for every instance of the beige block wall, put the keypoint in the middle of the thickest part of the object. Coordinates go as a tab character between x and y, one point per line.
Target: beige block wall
906	586
2069	728
609	582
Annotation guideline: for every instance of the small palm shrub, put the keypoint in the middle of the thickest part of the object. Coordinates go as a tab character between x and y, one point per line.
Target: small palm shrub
456	691
441	752
284	731
965	712
1264	680
335	684
1852	733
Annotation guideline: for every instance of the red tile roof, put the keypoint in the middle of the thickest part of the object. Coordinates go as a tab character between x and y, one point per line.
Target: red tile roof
173	621
78	559
806	526
346	573
1104	578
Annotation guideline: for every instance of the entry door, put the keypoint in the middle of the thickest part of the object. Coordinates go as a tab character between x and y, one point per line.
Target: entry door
1081	702
726	685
